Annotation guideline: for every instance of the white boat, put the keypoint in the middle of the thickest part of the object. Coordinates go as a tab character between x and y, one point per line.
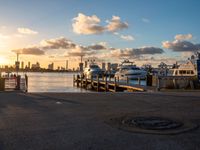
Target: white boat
93	71
128	70
188	69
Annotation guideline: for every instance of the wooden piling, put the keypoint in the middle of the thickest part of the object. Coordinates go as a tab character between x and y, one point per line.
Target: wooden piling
98	83
115	87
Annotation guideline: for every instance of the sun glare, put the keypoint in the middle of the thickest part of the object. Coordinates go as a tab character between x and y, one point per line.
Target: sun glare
2	61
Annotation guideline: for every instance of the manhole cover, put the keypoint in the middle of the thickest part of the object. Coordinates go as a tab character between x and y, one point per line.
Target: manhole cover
151	125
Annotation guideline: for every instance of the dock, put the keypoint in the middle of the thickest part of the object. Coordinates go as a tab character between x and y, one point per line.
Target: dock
107	84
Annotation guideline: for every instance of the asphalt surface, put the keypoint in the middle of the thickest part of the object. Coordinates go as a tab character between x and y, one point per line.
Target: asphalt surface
77	121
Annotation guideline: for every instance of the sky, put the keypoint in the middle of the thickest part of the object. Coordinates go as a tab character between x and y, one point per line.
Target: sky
146	32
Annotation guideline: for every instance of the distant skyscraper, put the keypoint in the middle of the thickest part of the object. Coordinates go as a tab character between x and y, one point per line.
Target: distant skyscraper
103	66
108	66
86	62
81	67
22	65
66	64
29	64
51	66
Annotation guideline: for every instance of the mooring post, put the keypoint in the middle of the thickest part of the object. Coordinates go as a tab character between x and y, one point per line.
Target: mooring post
77	80
91	82
26	84
74	80
97	83
115	86
158	84
106	84
118	79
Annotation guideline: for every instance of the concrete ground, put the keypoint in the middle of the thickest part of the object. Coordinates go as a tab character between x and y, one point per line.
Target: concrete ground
76	121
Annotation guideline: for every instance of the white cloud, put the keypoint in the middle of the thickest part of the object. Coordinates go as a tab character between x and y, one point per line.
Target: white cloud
181	45
83	24
183	36
127	37
2	36
27	31
116	24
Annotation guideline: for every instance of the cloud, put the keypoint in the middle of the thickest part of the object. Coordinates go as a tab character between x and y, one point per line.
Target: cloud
116	24
183	37
79	51
29	51
97	47
181	46
83	24
135	52
127	37
2	36
27	31
145	20
57	43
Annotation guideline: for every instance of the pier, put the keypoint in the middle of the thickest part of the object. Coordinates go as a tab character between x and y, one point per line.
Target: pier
107	84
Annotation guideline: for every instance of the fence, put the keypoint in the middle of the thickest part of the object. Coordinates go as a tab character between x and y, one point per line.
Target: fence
14	83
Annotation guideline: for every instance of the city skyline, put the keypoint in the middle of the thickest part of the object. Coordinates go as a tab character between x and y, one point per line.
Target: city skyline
56	31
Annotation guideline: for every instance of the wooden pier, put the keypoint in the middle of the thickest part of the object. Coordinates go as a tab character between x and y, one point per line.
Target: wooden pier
106	84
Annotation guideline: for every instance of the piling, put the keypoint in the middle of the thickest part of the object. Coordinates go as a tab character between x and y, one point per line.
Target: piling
2	84
98	83
115	87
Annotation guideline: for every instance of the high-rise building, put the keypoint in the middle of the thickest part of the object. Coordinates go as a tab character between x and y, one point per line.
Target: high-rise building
81	67
29	65
22	65
103	66
51	66
66	65
86	63
108	66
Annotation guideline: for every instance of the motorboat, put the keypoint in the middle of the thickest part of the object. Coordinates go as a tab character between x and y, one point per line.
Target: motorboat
129	70
92	71
187	69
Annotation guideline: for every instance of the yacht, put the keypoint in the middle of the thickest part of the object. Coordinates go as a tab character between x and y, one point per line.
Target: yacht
188	69
93	71
128	70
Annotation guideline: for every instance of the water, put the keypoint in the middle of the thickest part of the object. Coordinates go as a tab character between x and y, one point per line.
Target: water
57	82
51	82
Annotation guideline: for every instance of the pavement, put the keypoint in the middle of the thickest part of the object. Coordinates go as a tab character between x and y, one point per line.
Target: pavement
77	121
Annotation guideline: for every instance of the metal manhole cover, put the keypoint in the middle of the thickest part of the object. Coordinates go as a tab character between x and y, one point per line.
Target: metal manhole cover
151	125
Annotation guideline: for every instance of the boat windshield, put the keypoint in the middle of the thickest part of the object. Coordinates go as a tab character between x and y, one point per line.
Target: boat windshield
94	66
130	68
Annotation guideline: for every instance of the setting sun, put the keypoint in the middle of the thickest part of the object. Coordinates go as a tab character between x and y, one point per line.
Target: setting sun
2	61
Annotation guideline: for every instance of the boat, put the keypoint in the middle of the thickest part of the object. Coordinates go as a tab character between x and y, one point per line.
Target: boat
187	69
92	71
129	70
